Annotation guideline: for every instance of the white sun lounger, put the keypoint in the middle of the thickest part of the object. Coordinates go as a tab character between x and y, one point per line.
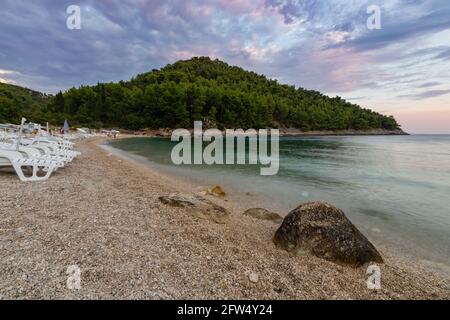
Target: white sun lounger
55	148
49	153
18	162
62	143
34	153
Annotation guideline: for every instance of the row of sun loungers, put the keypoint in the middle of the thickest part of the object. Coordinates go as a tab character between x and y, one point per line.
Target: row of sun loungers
35	158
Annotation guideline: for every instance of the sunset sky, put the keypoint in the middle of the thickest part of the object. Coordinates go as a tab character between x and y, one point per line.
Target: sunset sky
402	69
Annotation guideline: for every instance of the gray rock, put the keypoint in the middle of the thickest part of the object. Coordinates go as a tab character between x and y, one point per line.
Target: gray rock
253	277
263	214
326	232
197	205
176	201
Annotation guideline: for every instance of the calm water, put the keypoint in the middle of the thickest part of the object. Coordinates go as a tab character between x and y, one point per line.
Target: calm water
396	189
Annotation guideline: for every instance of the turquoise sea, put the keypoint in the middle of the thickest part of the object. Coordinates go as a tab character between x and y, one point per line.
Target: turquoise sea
396	189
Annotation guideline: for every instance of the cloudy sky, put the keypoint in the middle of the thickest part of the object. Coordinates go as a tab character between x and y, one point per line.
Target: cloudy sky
402	69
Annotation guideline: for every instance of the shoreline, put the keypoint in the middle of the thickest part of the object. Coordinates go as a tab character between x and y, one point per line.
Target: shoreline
103	214
373	132
284	132
240	202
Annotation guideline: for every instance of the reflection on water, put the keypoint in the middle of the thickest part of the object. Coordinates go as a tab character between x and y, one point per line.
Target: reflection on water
397	186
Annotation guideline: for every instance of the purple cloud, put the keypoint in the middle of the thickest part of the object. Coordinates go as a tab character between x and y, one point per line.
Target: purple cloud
320	45
426	94
429	84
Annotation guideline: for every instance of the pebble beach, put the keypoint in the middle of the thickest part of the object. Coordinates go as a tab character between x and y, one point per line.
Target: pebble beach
105	216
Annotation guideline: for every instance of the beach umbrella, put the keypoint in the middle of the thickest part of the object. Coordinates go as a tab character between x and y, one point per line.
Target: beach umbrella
66	126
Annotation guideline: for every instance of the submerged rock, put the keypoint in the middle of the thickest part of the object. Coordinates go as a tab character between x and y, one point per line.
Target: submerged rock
326	232
263	214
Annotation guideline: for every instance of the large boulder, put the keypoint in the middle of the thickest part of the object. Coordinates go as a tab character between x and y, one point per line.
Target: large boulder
325	231
264	214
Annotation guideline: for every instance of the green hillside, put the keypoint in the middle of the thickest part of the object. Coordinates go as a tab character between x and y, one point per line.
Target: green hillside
17	102
208	90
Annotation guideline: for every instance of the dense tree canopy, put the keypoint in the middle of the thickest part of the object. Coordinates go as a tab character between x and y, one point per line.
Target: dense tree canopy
17	102
196	89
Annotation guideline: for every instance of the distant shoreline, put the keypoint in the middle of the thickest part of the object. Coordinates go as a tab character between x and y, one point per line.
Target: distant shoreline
348	132
286	132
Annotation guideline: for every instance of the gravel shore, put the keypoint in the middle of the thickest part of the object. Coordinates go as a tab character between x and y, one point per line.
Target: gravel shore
102	214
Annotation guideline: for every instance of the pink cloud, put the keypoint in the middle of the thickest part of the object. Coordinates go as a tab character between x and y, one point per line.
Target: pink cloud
240	6
426	121
344	67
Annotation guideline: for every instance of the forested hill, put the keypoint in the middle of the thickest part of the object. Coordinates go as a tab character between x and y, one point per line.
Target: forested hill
16	102
208	90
